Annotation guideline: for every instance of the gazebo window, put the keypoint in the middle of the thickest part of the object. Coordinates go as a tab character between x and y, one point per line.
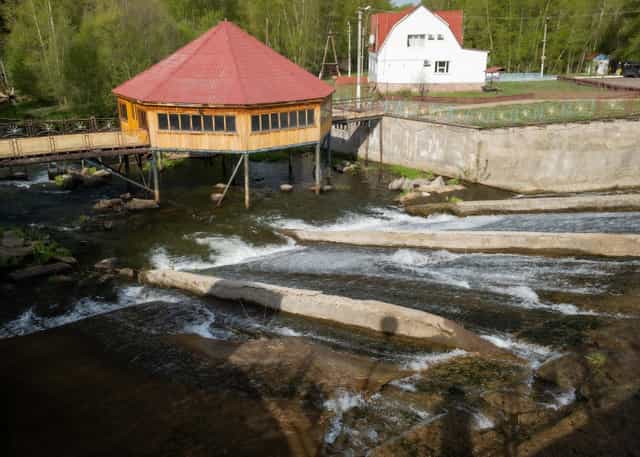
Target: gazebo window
275	121
302	118
185	122
196	123
255	123
264	122
311	117
207	122
219	123
284	120
174	121
293	119
163	121
231	123
123	112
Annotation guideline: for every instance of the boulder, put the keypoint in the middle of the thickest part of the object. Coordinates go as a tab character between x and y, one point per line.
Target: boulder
413	195
66	181
216	197
566	372
139	204
108	204
438	182
397	184
40	270
61	279
11	239
12	257
109	264
127	273
66	259
350	168
286	187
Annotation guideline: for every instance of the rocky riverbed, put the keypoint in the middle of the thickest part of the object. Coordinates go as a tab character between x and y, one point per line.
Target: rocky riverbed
105	364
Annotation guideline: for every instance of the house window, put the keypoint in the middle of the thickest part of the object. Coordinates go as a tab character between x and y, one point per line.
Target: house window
440	37
255	123
293	119
174	121
284	120
442	66
185	122
426	63
415	41
230	122
302	118
142	118
218	122
431	37
311	117
275	121
163	121
264	122
207	123
196	123
123	112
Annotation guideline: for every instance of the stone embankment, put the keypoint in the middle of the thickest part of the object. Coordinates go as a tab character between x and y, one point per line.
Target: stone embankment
591	244
367	314
623	202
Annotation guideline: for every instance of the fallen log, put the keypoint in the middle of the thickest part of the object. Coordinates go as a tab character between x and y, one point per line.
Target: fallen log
584	203
538	243
368	314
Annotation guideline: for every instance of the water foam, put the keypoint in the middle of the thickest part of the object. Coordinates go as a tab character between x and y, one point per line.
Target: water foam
29	322
341	403
422	362
40	177
535	354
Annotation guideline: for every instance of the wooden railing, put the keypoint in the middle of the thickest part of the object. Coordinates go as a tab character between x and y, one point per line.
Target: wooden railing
24	147
20	128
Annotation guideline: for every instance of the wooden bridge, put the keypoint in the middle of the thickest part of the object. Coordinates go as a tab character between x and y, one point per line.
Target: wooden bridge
29	142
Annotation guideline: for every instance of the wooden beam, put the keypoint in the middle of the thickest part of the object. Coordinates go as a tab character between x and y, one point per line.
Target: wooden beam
233	176
156	180
247	202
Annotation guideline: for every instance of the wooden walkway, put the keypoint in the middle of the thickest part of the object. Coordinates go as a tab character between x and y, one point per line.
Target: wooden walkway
71	146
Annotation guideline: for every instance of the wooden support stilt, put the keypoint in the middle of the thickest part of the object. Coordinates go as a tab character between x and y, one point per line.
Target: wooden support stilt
290	168
318	169
233	175
247	202
126	165
329	170
156	180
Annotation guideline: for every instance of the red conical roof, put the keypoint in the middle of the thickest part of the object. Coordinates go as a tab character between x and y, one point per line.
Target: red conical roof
224	66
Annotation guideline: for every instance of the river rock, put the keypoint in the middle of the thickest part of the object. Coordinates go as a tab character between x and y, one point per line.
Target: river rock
327	188
438	182
102	174
61	279
216	197
127	273
220	186
66	259
11	239
397	184
286	187
126	197
139	204
109	204
66	181
39	270
567	371
109	264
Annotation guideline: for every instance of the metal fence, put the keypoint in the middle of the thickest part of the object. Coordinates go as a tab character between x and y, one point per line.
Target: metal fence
20	128
499	115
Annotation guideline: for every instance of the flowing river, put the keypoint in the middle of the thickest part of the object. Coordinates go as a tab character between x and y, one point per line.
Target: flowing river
537	308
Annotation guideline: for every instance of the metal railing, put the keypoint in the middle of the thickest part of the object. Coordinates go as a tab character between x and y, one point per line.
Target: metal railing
21	128
498	115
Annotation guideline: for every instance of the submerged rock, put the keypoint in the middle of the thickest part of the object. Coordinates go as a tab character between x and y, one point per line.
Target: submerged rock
109	204
286	187
138	204
216	197
109	264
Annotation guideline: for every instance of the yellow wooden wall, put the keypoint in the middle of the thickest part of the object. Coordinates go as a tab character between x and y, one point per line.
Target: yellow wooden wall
240	141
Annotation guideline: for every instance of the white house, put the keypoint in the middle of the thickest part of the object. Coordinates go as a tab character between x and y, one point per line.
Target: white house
422	50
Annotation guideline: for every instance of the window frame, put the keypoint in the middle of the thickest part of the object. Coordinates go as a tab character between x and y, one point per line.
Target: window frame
230	119
419	40
160	122
172	117
442	67
284	116
193	124
311	117
218	123
275	116
185	117
293	116
440	37
123	111
255	123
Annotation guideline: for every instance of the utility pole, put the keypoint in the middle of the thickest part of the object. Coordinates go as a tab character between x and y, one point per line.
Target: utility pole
349	47
544	47
359	63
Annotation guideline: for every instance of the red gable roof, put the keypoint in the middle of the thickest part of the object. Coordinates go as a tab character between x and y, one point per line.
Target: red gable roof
224	66
382	23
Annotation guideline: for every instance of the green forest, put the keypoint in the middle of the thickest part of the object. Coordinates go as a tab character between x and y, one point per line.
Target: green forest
71	53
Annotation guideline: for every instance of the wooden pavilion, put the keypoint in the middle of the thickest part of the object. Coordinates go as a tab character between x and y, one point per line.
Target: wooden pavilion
227	93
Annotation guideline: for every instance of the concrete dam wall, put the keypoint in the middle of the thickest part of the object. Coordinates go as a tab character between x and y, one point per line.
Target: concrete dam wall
570	157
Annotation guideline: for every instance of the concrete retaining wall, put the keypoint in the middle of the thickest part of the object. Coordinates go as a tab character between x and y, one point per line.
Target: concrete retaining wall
551	158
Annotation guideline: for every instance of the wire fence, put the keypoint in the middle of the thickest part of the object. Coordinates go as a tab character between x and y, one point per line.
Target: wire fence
497	115
21	128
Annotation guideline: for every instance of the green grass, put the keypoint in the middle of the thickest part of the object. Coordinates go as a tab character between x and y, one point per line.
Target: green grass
538	88
410	173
